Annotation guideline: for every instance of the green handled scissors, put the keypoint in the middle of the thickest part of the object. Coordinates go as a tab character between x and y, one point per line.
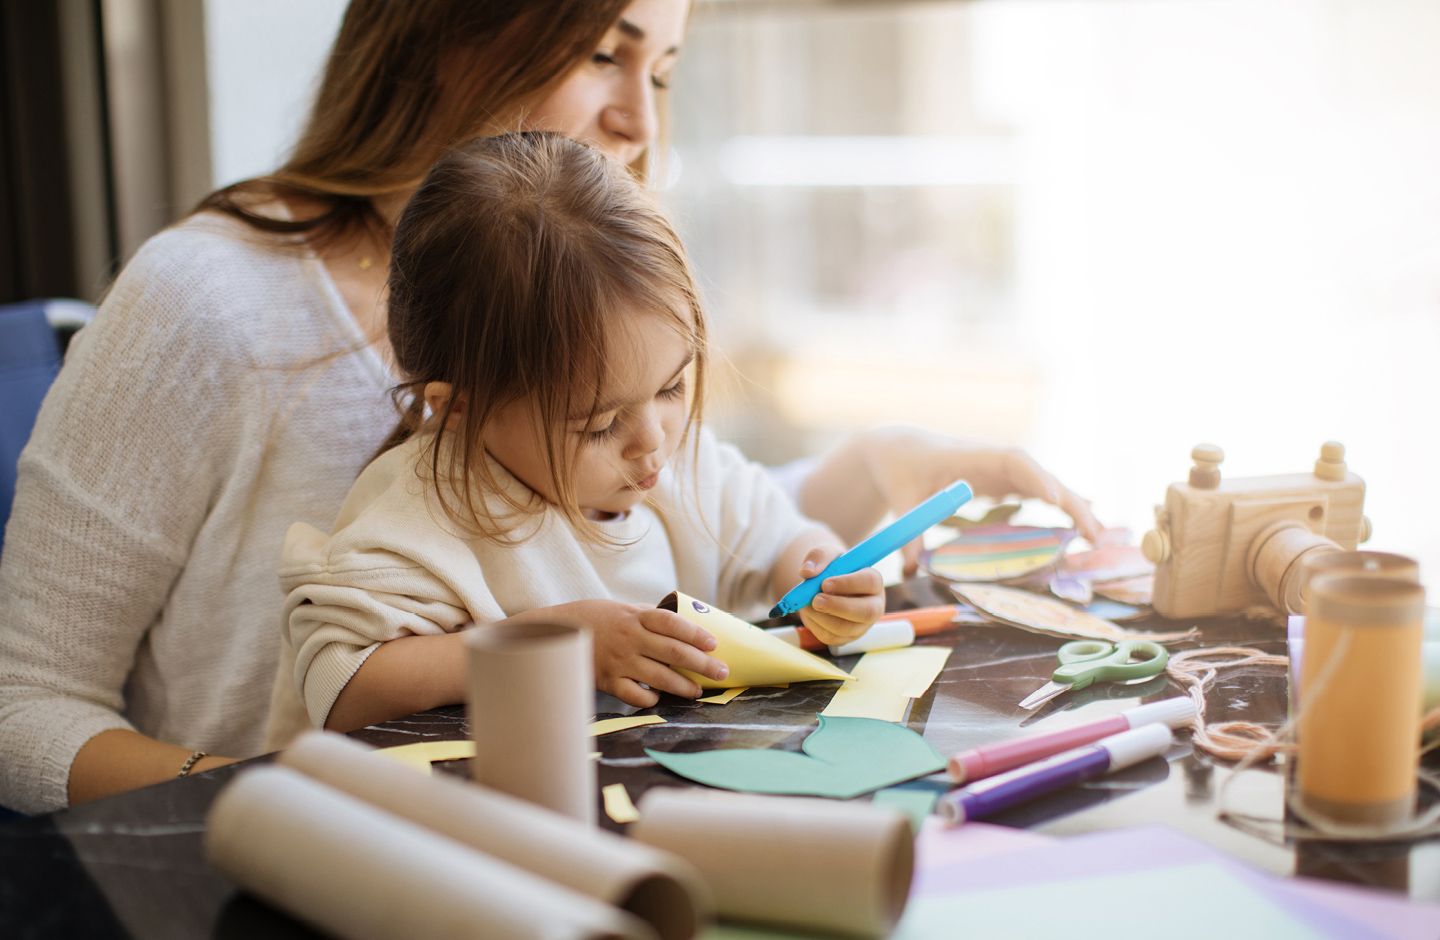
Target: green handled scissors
1085	661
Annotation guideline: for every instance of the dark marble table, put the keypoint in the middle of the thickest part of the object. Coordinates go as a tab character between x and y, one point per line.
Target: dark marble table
131	865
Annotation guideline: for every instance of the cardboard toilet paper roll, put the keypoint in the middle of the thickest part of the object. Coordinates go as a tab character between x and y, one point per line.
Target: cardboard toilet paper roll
532	689
360	873
660	888
820	865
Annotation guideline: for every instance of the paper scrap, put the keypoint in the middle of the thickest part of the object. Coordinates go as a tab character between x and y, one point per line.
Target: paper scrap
754	656
726	697
886	681
618	805
843	758
422	753
1231	908
996	553
913	800
610	725
1051	617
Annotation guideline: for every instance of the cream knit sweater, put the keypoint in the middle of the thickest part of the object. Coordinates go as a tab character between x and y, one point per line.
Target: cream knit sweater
222	393
397	566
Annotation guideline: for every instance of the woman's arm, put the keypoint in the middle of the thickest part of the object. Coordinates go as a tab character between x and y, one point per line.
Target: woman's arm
118	760
896	467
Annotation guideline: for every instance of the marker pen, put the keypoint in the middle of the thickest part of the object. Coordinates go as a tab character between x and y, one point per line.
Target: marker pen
988	797
990	759
892	538
889	632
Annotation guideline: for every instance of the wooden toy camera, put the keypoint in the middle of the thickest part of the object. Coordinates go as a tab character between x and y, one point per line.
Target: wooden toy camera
1225	545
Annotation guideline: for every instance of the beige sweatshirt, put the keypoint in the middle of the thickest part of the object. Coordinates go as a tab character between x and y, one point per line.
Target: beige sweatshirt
398	566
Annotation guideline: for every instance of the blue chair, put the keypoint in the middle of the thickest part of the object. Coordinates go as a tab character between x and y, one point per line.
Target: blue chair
33	336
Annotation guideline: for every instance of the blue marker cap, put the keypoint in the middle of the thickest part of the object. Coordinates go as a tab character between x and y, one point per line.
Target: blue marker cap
892	538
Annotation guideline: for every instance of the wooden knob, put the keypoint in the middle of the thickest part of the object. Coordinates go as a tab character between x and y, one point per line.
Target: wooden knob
1331	465
1205	475
1155	546
1366	530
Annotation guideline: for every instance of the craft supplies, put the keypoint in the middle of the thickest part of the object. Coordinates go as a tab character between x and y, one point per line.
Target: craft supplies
887	681
660	888
996	553
994	794
843	758
990	759
1368	564
531	695
811	865
1084	662
753	655
1195	671
890	631
625	723
618	805
1050	617
892	538
422	754
1359	729
361	873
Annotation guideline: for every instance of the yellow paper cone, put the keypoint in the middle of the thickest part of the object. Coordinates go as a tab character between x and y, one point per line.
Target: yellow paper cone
754	656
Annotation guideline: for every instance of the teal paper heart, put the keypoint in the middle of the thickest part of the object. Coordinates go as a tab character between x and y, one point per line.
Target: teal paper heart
843	758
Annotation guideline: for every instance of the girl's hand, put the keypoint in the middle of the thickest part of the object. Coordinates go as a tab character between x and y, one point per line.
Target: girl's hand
635	644
849	604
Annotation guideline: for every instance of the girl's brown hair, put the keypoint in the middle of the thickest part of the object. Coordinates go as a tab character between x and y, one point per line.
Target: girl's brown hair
511	264
380	118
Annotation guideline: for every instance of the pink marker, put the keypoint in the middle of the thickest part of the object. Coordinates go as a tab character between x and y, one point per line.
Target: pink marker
988	759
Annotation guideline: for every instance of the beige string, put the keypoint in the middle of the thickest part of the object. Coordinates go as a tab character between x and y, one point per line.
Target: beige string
1250	744
1195	671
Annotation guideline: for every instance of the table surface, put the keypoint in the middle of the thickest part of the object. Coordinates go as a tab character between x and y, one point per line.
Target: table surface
132	865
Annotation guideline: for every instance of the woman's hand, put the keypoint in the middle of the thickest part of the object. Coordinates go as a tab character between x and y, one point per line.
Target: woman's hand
635	644
895	468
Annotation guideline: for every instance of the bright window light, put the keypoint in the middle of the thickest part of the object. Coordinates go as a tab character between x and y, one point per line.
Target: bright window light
869	161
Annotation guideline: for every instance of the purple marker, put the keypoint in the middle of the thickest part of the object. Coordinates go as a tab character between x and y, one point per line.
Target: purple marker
1002	791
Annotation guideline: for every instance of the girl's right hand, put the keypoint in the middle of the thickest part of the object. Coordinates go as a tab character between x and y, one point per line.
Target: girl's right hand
635	644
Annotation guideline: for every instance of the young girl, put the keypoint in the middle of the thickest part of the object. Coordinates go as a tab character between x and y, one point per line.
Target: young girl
547	319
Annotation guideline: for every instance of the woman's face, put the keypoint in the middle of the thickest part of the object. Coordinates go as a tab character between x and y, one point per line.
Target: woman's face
609	100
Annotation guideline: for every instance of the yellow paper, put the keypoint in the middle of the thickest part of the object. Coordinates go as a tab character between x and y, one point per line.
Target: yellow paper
754	656
609	725
618	805
886	681
420	754
726	697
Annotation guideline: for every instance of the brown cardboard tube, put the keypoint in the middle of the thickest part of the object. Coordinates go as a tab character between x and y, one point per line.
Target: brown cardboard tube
818	865
360	873
656	886
532	689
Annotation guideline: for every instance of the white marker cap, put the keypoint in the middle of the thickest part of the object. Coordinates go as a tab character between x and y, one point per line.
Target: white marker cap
785	634
1172	712
1131	747
883	635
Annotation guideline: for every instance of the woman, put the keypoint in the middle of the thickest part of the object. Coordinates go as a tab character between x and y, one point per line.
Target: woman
236	378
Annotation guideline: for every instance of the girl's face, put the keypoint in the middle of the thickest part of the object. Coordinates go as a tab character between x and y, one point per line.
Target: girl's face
619	453
609	101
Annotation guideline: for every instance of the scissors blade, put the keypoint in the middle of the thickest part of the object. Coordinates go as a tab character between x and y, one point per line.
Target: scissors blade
1044	694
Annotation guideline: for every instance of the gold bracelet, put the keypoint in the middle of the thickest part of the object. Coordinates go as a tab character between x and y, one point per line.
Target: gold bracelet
190	764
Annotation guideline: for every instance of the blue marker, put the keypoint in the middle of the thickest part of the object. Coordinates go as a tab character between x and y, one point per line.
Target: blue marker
892	538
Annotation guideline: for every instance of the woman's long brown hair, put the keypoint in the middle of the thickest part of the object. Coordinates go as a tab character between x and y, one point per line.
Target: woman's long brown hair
380	120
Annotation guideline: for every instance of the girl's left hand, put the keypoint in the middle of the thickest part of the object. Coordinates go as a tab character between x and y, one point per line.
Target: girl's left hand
849	604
